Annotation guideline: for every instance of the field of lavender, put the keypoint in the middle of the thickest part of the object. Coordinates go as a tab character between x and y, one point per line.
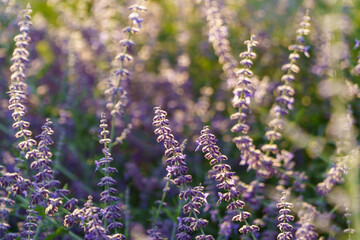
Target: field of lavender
179	119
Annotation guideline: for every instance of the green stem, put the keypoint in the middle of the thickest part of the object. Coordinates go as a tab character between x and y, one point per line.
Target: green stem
127	215
157	213
178	210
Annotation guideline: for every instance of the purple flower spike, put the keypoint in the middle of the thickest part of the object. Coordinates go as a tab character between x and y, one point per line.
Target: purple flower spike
177	174
284	226
225	180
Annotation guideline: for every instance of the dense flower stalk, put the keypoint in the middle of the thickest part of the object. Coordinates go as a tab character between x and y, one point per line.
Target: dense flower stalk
243	93
18	87
111	212
225	180
17	94
176	159
177	174
90	221
45	192
283	102
218	33
284	226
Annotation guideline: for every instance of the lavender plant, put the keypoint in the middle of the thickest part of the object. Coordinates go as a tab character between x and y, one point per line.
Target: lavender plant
225	179
285	218
177	174
63	178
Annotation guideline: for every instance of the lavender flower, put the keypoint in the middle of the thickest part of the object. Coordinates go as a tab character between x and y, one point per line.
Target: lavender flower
98	223
30	224
154	234
285	92
218	33
243	93
284	226
91	222
17	94
18	87
345	150
112	211
334	176
42	164
283	102
225	180
177	169
116	96
176	165
5	203
306	231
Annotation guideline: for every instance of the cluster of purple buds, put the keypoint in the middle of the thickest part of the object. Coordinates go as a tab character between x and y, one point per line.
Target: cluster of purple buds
112	211
334	176
345	151
225	180
154	234
177	174
285	100
306	231
176	165
30	224
5	203
194	198
19	185
45	183
98	223
288	173
218	33
285	218
89	219
116	95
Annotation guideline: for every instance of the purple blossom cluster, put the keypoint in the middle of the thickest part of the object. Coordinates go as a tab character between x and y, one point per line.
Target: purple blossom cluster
177	173
96	222
285	218
243	93
221	172
306	231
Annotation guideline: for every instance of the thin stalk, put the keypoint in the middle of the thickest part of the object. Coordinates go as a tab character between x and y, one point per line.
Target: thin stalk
127	215
157	213
178	210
